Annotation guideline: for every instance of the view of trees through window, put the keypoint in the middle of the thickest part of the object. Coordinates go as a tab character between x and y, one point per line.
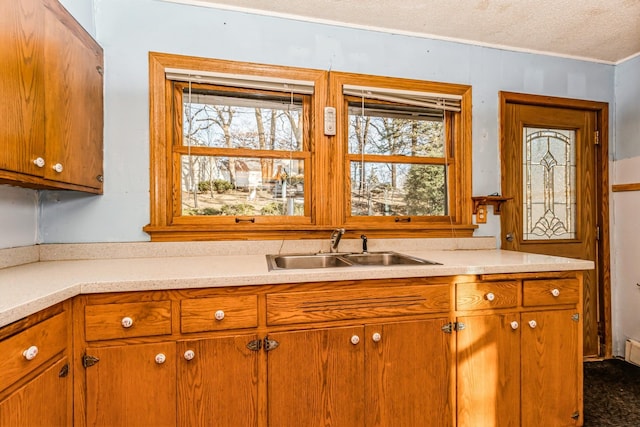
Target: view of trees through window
245	154
397	160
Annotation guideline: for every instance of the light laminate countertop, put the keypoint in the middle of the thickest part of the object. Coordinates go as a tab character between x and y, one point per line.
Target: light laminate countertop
28	288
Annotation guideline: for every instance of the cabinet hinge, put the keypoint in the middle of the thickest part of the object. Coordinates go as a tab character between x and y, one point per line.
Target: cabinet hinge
270	344
88	360
254	345
597	137
598	232
64	371
100	70
453	326
575	317
575	415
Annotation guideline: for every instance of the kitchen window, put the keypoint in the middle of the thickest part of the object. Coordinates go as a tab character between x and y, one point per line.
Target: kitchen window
239	150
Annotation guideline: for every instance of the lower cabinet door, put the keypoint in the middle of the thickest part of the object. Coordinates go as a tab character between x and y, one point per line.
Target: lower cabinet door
488	371
218	382
43	401
551	369
132	385
408	374
316	378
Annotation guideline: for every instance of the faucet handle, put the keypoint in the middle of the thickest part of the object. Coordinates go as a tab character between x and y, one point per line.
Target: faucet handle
364	243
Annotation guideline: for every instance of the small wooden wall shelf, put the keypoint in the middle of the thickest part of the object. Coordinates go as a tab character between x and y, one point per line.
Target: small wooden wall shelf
625	187
495	201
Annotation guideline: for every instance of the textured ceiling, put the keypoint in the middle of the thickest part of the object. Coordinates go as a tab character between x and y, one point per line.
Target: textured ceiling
596	30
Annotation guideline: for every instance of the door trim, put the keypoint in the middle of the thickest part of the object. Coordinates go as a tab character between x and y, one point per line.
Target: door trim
602	194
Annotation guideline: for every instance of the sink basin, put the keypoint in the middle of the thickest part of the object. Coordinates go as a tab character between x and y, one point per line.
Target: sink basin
304	261
307	261
386	258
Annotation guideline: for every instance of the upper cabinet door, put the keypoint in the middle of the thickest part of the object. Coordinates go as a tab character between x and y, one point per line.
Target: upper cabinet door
73	101
21	86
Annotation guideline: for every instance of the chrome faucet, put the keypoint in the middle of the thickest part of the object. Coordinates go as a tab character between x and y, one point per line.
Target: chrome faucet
336	235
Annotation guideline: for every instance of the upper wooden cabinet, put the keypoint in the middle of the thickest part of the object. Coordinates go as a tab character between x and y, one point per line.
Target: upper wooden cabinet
50	99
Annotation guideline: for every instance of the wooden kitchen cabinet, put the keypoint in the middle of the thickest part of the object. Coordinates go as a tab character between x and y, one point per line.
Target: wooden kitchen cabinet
50	99
131	385
36	380
519	354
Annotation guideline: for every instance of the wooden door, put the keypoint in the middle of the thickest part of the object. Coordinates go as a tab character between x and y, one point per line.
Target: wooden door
21	86
130	386
73	102
408	374
316	378
551	171
43	401
551	369
217	382
488	371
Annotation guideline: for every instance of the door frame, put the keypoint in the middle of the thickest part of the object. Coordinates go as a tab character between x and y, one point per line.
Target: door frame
603	267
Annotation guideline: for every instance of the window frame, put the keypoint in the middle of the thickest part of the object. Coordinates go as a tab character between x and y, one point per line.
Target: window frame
325	206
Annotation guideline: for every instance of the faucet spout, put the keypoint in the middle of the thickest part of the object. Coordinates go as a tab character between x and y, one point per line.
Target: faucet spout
336	235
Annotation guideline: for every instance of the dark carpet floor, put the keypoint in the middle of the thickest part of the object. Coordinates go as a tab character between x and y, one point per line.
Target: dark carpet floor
611	394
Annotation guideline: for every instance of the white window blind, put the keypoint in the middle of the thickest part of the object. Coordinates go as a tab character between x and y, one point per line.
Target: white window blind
439	101
241	80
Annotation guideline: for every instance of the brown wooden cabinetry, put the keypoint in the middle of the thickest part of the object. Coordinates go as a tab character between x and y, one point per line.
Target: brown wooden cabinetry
519	353
500	350
36	385
50	99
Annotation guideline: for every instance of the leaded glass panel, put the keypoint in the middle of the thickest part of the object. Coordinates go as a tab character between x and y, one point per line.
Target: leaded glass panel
549	184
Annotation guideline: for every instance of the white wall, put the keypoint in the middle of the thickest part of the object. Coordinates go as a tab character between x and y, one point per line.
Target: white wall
129	30
626	206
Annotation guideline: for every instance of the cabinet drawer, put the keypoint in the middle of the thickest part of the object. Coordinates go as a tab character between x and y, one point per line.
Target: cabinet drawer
44	340
218	313
550	292
318	306
479	296
125	320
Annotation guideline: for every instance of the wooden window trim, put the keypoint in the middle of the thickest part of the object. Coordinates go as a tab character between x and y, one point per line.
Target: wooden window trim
326	159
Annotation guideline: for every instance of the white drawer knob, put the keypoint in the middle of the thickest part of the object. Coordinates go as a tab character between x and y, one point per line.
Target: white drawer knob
58	167
219	315
189	355
39	162
533	324
160	358
30	353
376	337
355	339
126	322
555	292
514	325
490	296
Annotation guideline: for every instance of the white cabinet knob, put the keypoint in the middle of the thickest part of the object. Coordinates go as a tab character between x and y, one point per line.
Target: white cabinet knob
219	315
514	325
160	358
490	296
39	162
533	324
126	322
376	337
555	292
30	353
189	355
355	339
58	167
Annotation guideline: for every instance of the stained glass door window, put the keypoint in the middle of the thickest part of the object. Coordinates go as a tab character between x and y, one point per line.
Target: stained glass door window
549	184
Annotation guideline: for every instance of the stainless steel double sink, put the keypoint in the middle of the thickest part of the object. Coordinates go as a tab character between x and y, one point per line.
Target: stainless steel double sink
329	260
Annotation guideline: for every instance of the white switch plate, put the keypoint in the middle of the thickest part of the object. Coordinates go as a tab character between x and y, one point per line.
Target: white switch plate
329	121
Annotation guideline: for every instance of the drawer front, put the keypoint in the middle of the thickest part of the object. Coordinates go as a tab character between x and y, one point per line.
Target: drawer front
550	292
125	320
319	306
218	313
42	341
481	296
